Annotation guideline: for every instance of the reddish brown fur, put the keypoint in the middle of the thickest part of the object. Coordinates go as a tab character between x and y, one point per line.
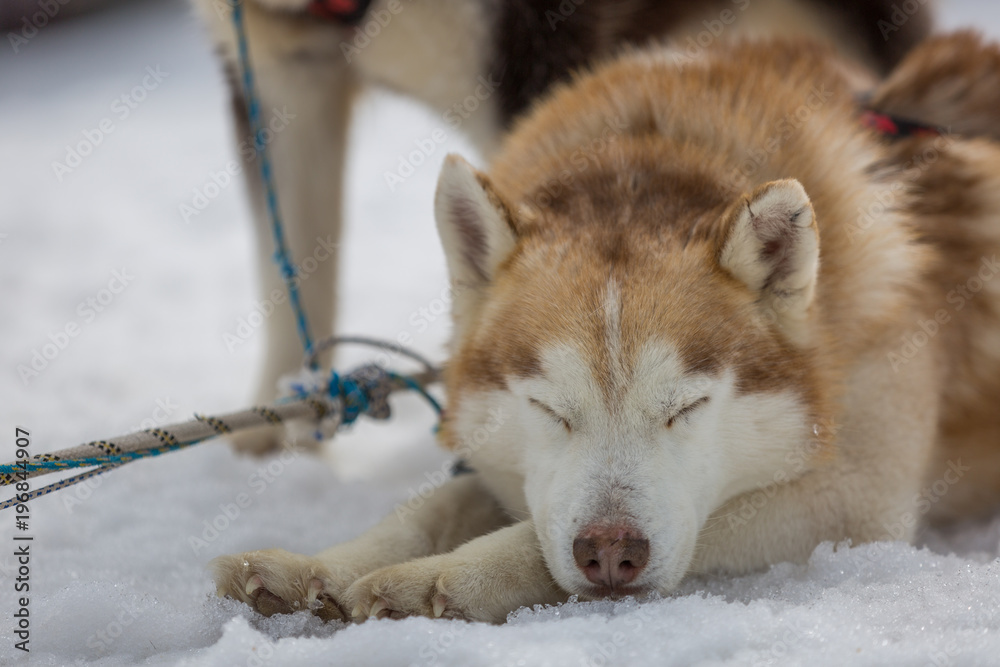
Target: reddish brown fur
958	215
952	81
663	225
656	226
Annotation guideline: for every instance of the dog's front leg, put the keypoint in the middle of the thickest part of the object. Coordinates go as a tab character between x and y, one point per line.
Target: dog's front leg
275	581
483	580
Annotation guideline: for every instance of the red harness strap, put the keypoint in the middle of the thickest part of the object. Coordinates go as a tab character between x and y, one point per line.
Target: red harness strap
348	12
897	127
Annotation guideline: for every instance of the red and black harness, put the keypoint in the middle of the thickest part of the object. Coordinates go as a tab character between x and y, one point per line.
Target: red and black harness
896	127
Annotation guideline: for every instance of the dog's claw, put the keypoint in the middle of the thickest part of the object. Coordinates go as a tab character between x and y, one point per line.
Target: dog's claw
379	610
315	588
254	583
358	614
438	605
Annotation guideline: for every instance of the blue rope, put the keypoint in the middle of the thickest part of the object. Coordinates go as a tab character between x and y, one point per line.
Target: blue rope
282	257
417	387
353	399
114	459
61	484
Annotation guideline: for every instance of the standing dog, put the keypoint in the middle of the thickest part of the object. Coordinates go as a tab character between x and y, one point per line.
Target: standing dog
705	321
481	64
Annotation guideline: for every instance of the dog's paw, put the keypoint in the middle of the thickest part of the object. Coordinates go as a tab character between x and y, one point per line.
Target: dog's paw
438	587
275	581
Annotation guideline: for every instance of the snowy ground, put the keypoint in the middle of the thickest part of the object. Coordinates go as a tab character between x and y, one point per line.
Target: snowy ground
115	579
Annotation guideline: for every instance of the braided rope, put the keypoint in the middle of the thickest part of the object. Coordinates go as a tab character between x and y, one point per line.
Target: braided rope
40	465
363	391
61	484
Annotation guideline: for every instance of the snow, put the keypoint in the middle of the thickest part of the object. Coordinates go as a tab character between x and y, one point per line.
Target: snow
117	578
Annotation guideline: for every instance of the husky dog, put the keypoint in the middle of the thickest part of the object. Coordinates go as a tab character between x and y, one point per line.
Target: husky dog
705	320
480	64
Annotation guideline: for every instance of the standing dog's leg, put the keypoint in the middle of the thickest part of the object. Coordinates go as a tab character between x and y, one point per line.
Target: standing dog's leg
307	158
276	581
305	87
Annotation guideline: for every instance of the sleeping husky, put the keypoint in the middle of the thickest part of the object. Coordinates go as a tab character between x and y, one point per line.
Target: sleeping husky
480	64
708	320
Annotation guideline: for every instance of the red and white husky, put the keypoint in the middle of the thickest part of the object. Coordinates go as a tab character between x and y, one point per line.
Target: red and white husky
480	64
706	321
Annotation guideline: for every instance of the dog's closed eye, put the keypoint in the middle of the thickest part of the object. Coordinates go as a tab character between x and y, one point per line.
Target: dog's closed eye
686	410
552	413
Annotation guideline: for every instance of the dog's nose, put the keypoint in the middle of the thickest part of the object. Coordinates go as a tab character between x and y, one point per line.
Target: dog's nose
611	556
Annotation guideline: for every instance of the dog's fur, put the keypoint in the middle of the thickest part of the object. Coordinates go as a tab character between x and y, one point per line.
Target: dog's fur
441	52
705	320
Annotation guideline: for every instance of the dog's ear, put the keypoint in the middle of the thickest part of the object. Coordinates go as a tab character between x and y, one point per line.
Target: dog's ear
475	225
772	245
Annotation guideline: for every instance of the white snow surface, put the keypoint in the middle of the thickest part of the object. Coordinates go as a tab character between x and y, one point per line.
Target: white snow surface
115	578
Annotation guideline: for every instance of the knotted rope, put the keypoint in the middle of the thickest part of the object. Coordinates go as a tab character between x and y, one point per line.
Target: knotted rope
331	401
334	402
